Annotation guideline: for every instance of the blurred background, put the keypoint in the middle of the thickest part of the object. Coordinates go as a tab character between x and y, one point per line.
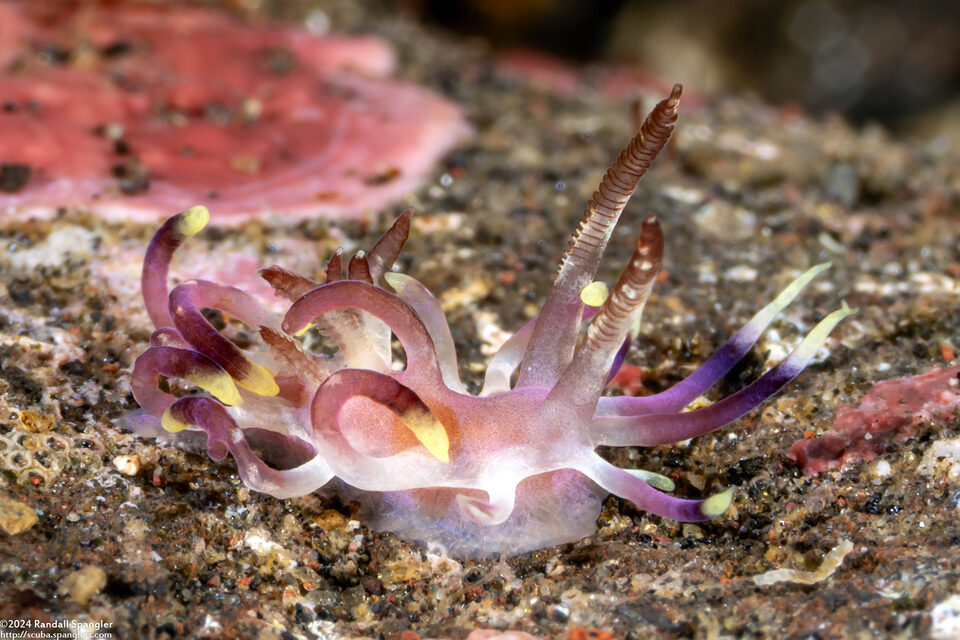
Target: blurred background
896	62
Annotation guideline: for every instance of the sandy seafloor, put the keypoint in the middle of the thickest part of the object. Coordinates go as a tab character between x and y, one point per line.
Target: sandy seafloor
749	197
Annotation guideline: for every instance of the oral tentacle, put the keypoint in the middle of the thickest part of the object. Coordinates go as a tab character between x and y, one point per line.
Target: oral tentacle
662	428
710	372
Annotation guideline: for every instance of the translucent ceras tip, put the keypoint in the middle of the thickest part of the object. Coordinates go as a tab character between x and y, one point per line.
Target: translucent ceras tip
654	479
258	379
171	423
815	339
594	294
715	505
191	221
430	432
219	385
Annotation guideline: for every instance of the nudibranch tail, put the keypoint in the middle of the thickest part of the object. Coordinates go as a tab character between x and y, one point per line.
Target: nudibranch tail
156	262
554	338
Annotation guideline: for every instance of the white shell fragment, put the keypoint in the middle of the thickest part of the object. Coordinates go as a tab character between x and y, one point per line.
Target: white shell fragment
830	563
127	465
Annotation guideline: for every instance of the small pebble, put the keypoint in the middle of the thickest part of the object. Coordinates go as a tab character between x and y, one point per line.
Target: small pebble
83	584
15	517
127	465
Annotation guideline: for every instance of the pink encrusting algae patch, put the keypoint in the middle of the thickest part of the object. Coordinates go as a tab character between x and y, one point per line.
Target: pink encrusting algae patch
136	110
888	414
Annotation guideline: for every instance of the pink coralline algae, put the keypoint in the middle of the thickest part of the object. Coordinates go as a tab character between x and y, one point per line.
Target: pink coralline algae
888	414
510	469
137	110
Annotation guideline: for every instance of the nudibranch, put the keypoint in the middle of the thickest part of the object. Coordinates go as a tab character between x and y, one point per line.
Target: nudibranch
510	469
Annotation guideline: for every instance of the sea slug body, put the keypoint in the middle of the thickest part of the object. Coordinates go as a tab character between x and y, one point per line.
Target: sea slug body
510	469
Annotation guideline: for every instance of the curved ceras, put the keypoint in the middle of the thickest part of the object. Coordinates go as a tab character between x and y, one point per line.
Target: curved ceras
381	430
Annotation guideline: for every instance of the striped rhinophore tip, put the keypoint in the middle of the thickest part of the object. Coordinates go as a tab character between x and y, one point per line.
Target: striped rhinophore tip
717	504
674	98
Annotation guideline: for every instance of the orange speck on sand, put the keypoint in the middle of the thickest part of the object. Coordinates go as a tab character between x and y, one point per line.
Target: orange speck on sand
629	378
947	353
579	633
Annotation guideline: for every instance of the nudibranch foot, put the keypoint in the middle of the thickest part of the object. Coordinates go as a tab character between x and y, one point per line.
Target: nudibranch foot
510	469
